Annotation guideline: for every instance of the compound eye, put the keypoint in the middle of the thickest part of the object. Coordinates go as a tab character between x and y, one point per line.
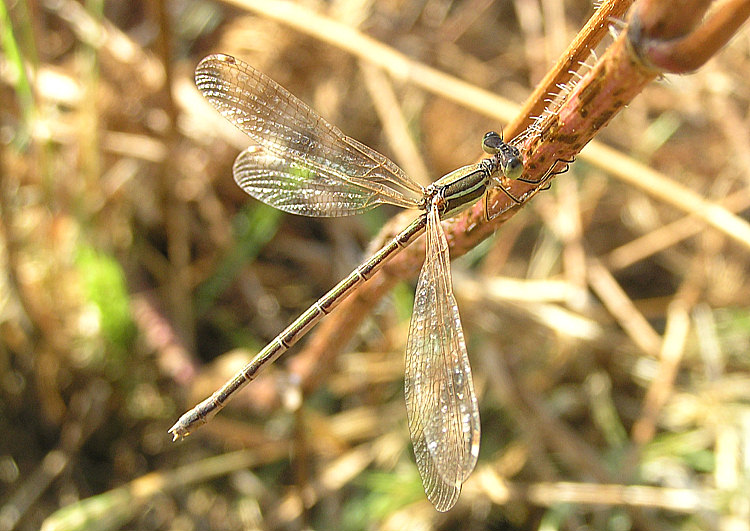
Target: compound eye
513	168
492	143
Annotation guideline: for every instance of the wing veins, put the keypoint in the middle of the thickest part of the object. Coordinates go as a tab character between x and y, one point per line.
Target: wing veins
442	411
289	128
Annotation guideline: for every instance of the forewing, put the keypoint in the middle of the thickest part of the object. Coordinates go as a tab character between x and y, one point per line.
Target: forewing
288	128
441	404
302	190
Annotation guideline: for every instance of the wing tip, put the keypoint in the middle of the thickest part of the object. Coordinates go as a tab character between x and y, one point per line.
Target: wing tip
444	499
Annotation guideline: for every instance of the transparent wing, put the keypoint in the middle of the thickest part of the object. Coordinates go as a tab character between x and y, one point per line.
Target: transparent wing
292	131
301	190
441	405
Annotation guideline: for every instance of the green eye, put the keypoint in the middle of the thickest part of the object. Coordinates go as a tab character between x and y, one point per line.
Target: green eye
514	168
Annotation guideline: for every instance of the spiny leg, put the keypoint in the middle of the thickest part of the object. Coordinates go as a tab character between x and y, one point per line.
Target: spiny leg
550	173
503	187
544	183
507	192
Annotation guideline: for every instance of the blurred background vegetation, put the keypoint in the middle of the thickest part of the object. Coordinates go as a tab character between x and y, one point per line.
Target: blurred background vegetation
137	276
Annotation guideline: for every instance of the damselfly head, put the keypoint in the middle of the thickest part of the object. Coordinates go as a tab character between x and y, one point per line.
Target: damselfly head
508	156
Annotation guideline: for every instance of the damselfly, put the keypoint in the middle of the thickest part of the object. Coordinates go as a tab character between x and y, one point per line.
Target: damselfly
306	166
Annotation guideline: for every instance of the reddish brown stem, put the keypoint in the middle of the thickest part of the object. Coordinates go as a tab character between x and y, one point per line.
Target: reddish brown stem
578	52
682	45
